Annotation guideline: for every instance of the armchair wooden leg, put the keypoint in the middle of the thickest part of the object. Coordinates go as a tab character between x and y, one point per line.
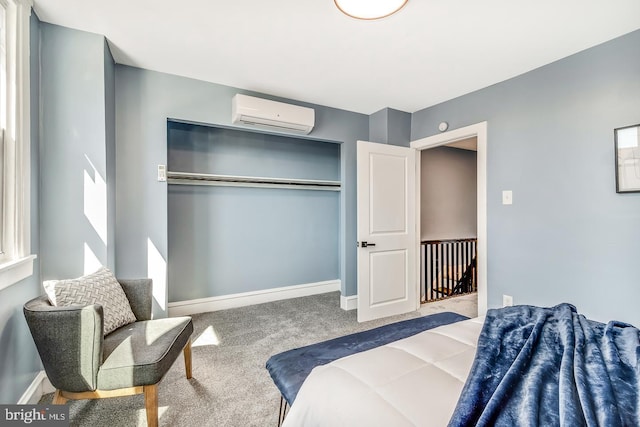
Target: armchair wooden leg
58	398
187	358
151	404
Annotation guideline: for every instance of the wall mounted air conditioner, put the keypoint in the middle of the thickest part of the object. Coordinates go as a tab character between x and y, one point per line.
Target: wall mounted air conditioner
250	110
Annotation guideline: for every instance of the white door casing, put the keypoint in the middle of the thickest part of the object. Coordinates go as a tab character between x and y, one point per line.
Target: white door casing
387	266
479	130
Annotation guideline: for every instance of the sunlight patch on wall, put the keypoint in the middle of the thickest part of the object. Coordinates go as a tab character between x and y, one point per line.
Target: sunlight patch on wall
207	337
157	271
91	261
95	201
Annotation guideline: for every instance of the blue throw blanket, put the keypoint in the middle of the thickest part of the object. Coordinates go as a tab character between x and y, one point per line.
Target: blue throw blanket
551	367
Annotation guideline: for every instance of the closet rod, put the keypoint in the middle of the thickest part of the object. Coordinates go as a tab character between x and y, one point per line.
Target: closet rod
189	178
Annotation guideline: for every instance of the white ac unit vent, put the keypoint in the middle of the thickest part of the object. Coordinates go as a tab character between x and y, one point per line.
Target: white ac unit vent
274	115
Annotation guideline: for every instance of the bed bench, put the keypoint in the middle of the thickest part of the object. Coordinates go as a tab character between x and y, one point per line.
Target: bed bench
290	368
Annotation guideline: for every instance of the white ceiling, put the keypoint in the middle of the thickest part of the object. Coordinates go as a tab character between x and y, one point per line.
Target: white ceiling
429	52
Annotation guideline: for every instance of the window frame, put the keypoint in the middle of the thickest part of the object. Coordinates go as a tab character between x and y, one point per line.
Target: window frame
16	261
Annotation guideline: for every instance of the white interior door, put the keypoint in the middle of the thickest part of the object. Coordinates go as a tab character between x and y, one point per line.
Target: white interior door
387	245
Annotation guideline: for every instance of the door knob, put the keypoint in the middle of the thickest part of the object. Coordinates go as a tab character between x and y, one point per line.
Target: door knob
366	244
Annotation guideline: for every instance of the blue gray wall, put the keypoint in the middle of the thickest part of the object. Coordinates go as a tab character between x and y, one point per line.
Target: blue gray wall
110	151
378	123
19	360
390	126
568	236
76	152
144	101
226	240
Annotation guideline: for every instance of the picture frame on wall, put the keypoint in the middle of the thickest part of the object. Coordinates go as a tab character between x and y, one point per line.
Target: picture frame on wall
627	152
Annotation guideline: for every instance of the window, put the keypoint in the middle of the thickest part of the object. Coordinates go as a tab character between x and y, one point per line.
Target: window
3	113
16	263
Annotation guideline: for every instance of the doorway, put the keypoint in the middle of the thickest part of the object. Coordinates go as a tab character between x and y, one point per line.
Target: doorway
479	133
448	221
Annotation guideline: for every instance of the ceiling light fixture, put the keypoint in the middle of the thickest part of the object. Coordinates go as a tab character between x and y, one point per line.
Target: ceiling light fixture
369	9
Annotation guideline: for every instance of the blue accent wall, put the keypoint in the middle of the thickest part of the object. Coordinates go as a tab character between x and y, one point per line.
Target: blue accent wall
390	126
76	149
19	360
568	236
378	126
215	150
144	101
110	152
399	127
227	240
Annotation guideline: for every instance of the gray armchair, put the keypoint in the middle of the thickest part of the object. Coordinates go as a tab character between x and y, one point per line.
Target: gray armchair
82	364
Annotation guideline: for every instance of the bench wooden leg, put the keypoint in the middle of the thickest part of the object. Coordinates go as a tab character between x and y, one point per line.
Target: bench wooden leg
58	398
151	404
187	358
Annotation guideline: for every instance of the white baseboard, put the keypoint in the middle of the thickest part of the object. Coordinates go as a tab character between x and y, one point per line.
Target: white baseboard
185	308
349	303
38	387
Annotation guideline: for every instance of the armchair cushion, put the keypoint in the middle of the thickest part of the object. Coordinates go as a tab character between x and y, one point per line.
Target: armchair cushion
142	352
99	288
140	295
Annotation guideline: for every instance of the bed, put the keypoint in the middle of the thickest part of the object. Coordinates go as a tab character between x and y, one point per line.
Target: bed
290	368
520	365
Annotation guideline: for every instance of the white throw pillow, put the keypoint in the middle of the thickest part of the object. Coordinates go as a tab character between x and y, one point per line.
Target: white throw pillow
100	288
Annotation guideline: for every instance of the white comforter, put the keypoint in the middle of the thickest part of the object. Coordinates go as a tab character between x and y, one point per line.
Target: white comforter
412	382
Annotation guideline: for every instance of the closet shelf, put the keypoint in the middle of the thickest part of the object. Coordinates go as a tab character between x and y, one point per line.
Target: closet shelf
190	178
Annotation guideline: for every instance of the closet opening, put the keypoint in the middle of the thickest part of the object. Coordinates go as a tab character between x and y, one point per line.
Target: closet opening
249	213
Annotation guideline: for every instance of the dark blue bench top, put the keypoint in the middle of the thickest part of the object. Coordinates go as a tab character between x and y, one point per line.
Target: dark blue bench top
290	368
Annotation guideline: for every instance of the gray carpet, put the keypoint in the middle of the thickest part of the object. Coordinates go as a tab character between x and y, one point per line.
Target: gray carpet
230	385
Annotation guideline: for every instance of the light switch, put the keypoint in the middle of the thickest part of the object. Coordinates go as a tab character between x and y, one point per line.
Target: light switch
507	197
162	173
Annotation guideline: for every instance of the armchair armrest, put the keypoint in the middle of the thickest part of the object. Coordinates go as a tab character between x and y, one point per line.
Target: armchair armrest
139	292
74	365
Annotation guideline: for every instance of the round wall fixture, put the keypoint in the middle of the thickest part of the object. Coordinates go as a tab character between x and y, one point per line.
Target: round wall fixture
369	9
443	126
